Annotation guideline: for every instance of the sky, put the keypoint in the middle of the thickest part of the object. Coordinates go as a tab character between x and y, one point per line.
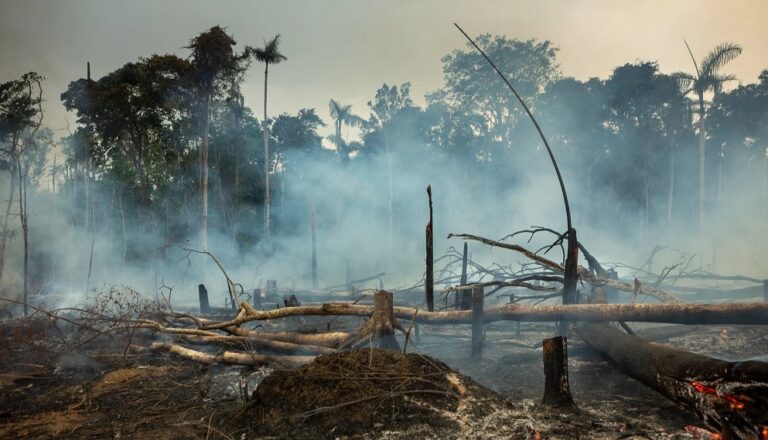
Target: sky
345	49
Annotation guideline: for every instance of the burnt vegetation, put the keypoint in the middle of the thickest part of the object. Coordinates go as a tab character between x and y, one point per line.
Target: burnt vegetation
167	166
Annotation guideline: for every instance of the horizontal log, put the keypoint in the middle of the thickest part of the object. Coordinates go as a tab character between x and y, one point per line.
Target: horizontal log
251	342
227	357
713	314
678	313
731	397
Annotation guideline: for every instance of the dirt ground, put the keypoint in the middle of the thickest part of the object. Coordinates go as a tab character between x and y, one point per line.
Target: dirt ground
98	389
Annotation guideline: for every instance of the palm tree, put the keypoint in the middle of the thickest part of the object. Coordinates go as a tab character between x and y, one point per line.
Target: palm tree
342	115
707	79
269	54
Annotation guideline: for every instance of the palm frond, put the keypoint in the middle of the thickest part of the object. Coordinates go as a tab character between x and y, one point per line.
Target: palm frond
718	57
269	53
693	58
334	108
684	81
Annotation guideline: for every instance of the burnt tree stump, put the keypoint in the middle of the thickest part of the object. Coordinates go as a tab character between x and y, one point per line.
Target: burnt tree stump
557	388
202	294
478	297
384	321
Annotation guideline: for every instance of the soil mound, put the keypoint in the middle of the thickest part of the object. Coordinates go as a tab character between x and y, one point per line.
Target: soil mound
361	391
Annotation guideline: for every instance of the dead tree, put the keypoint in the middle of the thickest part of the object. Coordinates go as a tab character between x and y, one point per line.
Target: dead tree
731	397
202	294
477	321
557	388
429	282
466	296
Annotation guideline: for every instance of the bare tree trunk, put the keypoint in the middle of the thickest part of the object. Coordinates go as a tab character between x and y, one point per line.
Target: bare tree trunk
391	187
266	156
204	170
429	284
702	164
4	234
671	193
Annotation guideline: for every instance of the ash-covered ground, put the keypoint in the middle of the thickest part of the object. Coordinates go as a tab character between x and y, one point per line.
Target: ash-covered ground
99	389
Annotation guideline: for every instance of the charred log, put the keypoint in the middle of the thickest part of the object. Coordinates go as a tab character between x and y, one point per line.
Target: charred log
731	397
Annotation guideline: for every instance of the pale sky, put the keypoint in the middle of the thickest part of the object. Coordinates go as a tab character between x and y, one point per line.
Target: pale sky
345	49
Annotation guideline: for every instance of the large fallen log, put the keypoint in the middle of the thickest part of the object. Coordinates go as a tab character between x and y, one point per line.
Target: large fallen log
731	397
677	313
712	314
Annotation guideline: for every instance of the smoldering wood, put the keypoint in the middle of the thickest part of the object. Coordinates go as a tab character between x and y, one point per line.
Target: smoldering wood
478	298
557	388
731	397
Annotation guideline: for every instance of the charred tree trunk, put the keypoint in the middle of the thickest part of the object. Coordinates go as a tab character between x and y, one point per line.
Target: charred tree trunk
478	297
429	284
202	294
313	225
466	295
557	388
731	397
570	276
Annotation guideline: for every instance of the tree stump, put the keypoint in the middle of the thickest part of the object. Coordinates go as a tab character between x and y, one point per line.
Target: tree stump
557	388
257	298
202	294
384	321
478	297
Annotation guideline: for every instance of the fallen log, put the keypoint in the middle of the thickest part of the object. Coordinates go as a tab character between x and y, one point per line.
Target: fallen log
227	357
731	397
258	342
678	313
711	314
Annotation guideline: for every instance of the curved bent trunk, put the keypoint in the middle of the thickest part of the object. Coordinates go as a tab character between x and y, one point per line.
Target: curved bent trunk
702	163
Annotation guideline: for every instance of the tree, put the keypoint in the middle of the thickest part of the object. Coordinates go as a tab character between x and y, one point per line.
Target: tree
269	54
214	64
21	116
342	115
387	103
475	95
707	79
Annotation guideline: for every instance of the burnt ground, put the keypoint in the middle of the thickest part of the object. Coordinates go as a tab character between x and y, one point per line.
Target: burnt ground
98	389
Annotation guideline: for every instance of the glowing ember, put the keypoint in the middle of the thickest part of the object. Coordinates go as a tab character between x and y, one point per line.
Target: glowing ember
733	400
701	433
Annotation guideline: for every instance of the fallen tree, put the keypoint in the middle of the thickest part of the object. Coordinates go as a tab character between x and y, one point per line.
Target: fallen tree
731	397
678	313
226	357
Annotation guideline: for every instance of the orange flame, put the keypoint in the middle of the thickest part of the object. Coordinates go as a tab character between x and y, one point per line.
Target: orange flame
734	401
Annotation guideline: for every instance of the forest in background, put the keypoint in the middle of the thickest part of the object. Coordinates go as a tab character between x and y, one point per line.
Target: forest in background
165	155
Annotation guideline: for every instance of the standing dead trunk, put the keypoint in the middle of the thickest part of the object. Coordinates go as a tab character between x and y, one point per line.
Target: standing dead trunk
570	277
557	388
466	295
429	283
478	297
313	225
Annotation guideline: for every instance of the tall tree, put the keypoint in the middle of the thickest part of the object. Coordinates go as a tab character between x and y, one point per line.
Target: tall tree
214	64
269	54
342	115
385	105
21	116
706	79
